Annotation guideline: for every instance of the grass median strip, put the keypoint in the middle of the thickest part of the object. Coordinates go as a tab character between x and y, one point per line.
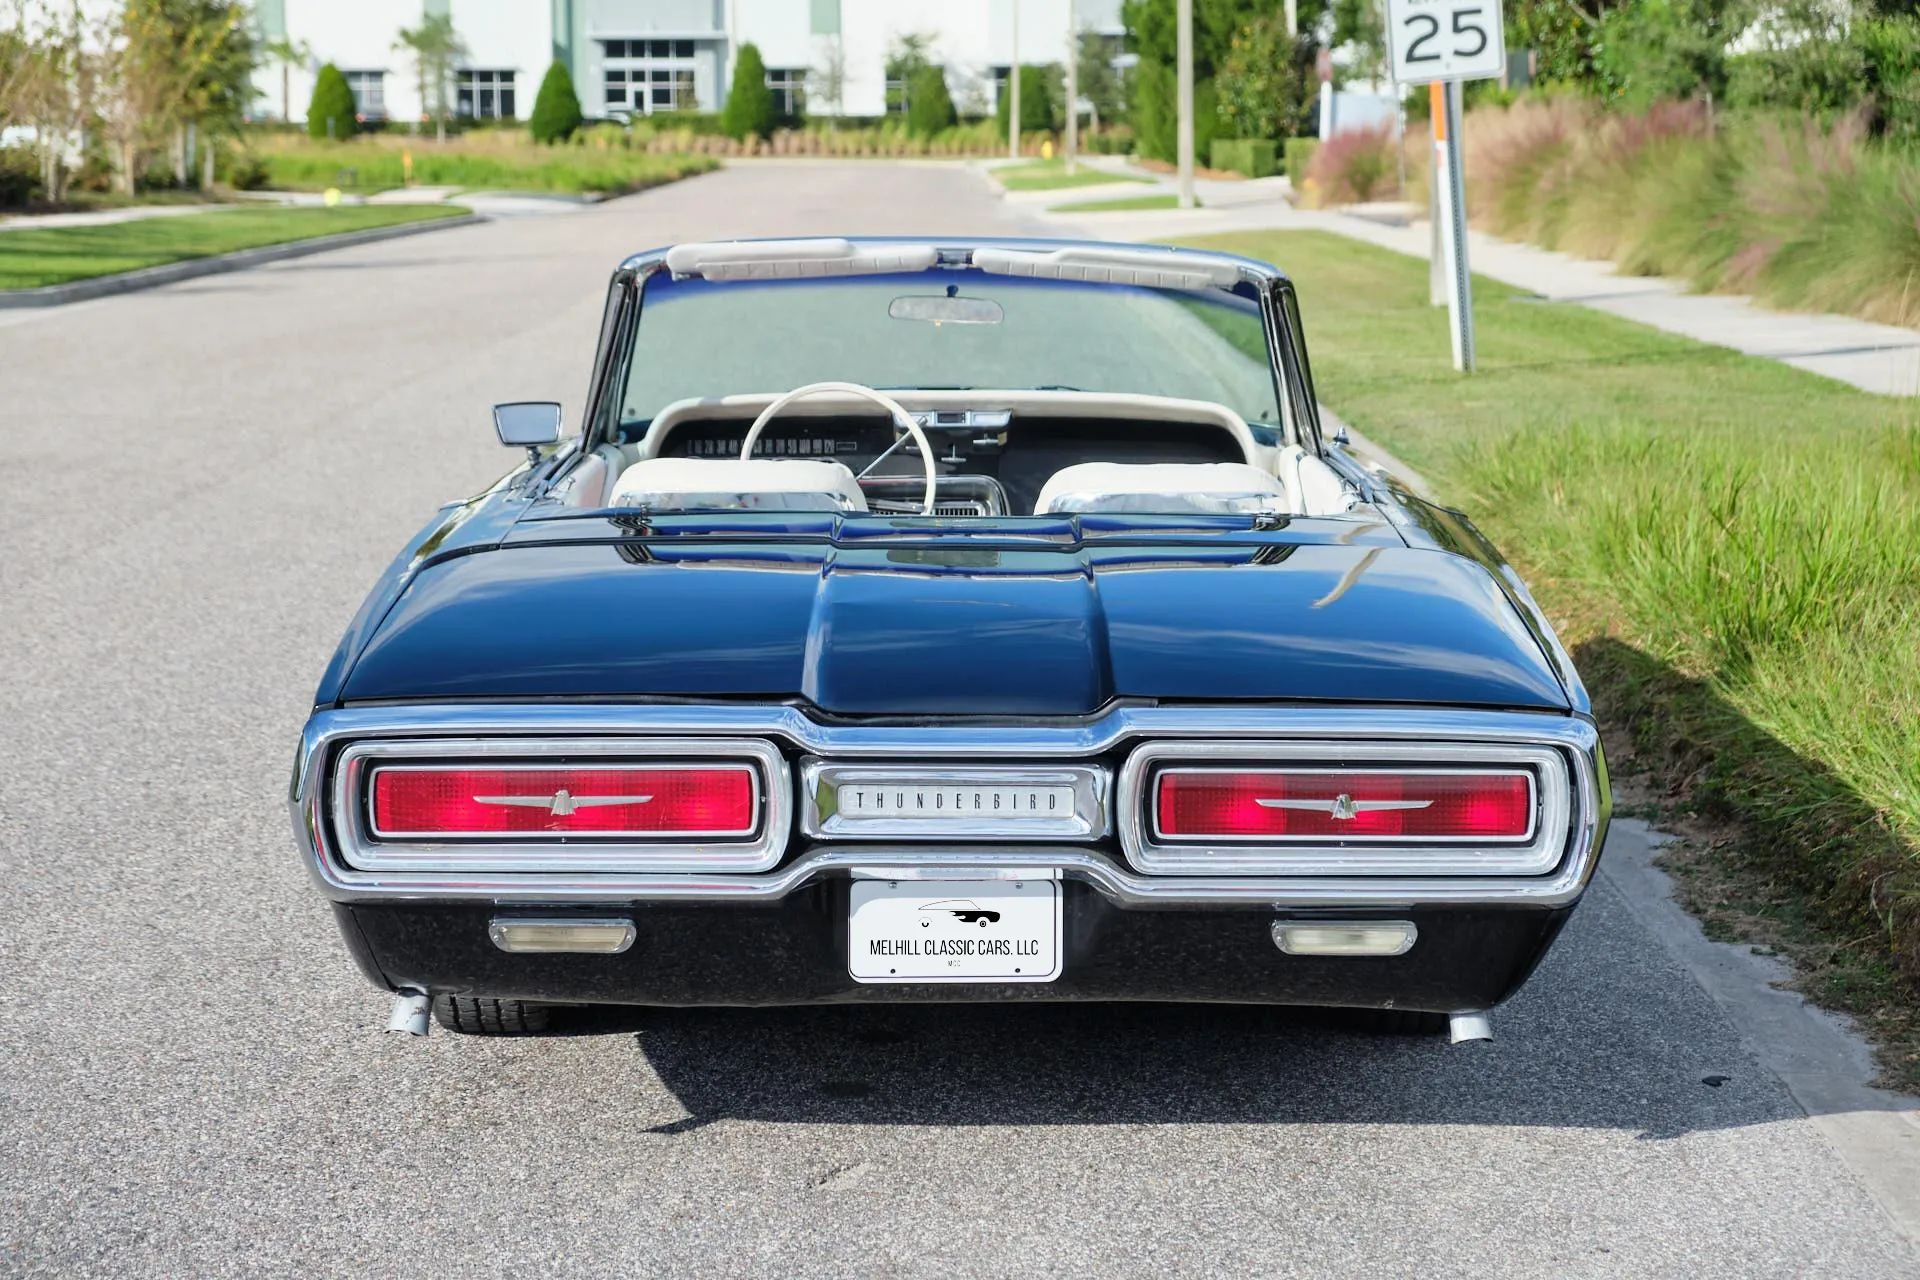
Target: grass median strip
1728	545
32	257
1126	204
1050	175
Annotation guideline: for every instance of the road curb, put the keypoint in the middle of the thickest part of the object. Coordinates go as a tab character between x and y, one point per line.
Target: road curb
1820	1057
57	295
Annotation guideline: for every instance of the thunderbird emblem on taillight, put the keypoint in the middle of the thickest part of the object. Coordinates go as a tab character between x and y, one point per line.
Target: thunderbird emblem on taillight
562	802
1343	807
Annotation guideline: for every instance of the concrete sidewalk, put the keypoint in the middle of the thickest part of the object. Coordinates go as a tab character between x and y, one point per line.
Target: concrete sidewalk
1880	358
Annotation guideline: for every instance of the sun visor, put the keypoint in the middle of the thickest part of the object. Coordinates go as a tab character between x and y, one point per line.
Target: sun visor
1146	268
796	259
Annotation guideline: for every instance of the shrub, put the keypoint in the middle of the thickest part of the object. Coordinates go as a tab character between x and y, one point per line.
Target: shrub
929	105
374	165
556	108
1036	108
330	112
1113	140
750	111
1299	157
1353	166
1253	157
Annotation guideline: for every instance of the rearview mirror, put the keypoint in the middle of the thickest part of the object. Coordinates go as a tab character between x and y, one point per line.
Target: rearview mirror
937	309
527	424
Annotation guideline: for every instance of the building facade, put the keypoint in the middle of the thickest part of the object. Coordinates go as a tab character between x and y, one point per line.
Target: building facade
639	57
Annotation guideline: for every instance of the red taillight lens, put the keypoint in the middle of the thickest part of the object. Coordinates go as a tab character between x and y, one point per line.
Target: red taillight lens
662	800
1199	804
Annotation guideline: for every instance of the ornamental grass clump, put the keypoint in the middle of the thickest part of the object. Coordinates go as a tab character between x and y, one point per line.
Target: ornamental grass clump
1803	213
1353	167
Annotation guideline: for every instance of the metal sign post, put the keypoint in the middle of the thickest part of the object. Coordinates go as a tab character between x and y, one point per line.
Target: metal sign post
1442	43
1451	216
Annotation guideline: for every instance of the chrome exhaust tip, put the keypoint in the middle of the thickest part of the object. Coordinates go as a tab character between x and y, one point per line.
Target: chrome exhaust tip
1468	1025
409	1013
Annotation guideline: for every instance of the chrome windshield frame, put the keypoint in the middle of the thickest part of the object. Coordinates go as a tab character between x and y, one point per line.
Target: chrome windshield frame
1286	348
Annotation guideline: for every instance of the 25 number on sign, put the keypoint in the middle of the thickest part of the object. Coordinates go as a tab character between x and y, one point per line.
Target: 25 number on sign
1446	40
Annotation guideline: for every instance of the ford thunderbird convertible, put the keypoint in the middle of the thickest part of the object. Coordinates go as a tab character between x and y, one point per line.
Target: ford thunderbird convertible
933	620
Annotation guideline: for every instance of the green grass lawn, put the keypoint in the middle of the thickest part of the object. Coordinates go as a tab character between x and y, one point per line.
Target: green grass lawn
1122	205
1732	548
1050	175
35	256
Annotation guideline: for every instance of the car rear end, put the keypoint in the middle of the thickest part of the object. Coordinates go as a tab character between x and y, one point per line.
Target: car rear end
1379	857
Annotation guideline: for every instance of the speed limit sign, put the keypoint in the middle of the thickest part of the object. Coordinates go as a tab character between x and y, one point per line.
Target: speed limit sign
1446	40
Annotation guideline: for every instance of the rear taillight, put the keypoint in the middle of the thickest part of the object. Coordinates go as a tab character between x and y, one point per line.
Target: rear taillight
1339	804
664	800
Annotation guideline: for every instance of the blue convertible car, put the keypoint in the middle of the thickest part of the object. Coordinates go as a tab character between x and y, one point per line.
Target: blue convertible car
947	620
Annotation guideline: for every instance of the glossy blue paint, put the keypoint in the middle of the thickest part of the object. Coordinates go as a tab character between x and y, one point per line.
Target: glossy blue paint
956	624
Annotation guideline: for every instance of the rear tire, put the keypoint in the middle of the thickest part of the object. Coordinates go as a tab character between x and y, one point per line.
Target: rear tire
1399	1022
483	1016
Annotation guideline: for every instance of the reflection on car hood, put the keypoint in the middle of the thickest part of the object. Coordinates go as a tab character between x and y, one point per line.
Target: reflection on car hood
957	629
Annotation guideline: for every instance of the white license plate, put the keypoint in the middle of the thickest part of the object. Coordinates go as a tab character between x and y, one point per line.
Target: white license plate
961	803
954	931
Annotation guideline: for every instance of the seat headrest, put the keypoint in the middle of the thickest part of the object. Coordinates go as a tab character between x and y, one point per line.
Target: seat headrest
1185	488
758	484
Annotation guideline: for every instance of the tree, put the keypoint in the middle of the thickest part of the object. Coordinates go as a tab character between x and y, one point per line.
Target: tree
1036	104
1264	82
1151	33
435	47
831	74
907	56
1101	84
556	108
289	54
749	110
166	66
330	111
929	105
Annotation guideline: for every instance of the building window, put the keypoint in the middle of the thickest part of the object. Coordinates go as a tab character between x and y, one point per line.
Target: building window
483	95
369	94
789	85
640	77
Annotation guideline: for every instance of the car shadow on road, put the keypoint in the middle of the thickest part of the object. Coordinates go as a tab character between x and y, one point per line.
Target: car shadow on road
1609	1034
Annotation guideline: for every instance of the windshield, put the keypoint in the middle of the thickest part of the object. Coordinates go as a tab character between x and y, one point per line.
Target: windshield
947	330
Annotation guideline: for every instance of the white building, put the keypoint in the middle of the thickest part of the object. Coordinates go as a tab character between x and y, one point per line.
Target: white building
633	57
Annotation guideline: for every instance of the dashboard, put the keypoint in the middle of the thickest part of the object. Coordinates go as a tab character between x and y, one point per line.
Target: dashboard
988	461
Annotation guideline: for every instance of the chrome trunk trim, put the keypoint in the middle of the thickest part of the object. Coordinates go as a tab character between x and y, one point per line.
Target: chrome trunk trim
822	818
510	725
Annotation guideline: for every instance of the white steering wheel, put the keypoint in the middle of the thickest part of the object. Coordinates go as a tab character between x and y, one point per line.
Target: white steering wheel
885	401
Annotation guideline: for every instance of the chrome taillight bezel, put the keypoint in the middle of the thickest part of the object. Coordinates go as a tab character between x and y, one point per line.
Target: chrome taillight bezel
1538	854
365	849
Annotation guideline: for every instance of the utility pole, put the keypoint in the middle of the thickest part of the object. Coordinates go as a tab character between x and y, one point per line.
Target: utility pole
1013	90
1183	13
1073	90
1293	19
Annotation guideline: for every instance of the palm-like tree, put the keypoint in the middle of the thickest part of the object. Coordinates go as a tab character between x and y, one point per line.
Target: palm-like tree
289	53
435	47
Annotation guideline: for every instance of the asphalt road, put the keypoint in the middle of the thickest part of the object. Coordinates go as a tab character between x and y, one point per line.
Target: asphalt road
193	1078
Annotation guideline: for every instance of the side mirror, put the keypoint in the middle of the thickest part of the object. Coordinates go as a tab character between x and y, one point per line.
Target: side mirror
527	424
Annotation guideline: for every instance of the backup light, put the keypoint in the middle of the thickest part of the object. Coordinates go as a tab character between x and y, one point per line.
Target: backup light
1344	804
593	937
669	800
1361	938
